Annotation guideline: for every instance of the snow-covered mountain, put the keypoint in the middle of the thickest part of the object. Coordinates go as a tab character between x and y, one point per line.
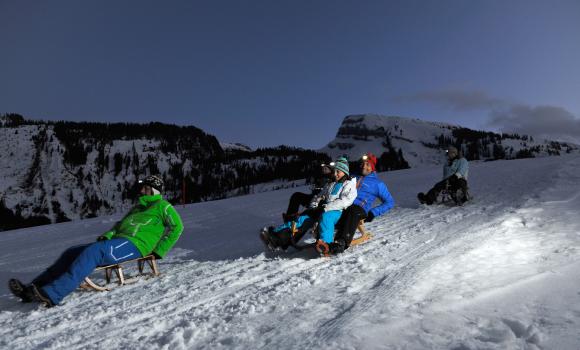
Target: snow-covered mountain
501	272
402	142
59	171
235	147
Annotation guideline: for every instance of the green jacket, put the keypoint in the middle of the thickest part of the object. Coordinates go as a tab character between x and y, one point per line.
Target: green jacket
153	226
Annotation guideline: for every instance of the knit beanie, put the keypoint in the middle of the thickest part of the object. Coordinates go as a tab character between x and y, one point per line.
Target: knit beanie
372	159
342	164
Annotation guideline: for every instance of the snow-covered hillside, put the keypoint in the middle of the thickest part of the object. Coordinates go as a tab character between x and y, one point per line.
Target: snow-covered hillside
421	142
502	272
58	171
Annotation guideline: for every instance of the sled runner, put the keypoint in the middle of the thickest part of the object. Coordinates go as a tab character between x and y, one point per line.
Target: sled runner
118	269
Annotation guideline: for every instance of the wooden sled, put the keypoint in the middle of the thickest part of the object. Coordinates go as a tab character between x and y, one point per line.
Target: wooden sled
297	234
365	235
450	199
89	284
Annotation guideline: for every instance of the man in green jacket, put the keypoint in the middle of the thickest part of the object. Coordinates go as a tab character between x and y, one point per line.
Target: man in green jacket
151	227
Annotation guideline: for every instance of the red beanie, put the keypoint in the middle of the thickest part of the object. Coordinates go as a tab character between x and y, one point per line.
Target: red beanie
372	159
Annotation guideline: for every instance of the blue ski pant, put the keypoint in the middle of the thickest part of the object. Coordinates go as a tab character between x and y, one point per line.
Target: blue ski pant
77	262
326	224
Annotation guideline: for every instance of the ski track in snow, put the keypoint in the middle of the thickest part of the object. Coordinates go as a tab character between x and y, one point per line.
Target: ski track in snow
432	277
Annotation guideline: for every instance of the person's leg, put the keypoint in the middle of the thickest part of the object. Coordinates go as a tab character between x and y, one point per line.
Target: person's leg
347	227
456	184
351	223
97	254
296	200
465	189
281	236
288	225
431	196
59	267
326	225
341	226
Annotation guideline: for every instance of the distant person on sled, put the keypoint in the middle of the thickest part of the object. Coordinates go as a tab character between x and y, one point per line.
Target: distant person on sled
325	208
369	187
455	173
151	227
323	177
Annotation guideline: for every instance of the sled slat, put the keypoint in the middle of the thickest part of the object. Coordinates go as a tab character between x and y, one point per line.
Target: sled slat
118	269
365	235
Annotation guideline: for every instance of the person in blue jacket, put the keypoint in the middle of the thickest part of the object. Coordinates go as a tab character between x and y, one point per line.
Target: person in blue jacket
455	173
369	188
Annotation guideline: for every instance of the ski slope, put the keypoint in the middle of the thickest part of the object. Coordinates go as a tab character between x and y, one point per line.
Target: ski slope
502	272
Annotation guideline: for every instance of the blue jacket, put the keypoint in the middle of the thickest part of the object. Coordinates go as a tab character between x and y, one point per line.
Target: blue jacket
458	167
368	189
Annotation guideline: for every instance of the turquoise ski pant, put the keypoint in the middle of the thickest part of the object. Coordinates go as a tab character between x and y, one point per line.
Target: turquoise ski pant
326	224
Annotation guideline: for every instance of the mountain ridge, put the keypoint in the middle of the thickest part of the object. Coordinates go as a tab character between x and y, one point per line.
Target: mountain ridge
413	142
60	171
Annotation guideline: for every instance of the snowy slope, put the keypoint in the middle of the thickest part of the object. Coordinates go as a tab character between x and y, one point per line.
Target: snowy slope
502	272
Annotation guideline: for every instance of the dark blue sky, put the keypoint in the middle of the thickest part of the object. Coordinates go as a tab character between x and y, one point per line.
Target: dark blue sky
286	72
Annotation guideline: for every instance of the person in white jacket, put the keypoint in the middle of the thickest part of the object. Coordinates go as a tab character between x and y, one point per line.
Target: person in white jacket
326	208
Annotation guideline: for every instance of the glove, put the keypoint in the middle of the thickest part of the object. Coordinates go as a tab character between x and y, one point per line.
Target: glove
370	217
101	238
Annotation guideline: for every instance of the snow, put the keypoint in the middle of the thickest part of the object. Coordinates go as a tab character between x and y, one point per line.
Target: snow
235	147
415	138
502	272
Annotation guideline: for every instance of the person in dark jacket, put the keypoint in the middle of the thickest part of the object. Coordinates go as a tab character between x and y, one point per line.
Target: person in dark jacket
455	173
369	188
321	179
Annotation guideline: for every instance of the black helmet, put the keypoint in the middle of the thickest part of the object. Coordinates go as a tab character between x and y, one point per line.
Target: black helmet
154	181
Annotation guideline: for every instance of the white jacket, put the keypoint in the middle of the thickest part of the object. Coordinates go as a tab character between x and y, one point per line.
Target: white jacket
340	200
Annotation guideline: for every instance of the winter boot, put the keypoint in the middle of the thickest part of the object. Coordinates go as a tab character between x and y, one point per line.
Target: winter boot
336	247
322	248
39	296
281	239
21	290
431	197
422	198
266	238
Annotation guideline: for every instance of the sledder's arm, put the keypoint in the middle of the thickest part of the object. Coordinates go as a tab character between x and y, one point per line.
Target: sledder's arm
174	229
459	168
113	231
320	196
387	201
